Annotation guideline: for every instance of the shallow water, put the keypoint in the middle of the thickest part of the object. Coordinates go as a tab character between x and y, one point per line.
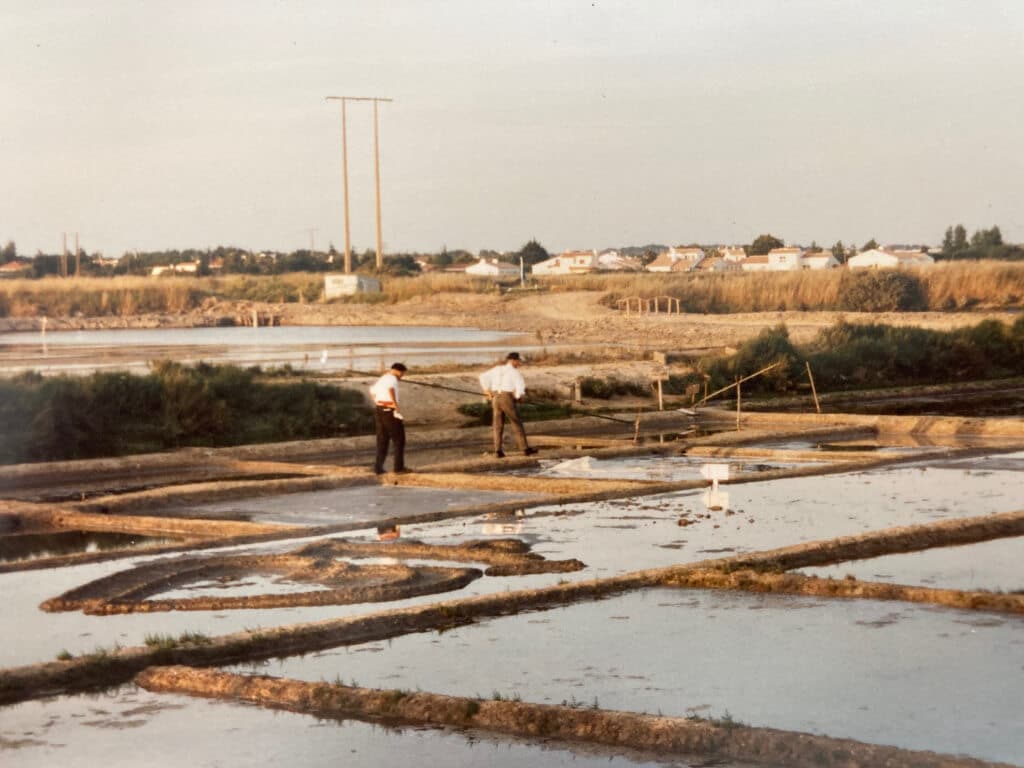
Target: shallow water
359	504
32	546
132	727
886	673
309	348
611	537
657	468
235	335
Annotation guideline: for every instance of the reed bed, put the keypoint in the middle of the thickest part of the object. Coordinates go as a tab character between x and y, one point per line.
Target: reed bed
133	295
944	286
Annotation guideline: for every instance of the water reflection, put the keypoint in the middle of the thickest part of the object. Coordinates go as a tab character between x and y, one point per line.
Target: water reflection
32	546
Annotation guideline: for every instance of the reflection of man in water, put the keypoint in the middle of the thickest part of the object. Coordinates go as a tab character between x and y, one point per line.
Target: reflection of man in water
388	532
504	386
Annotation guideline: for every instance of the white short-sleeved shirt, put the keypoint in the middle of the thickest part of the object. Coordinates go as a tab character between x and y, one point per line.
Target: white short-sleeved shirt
504	378
381	389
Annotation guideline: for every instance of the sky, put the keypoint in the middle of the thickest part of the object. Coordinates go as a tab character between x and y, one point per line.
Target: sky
149	125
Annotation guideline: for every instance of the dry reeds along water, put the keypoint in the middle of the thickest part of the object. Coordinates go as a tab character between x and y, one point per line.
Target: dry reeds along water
946	286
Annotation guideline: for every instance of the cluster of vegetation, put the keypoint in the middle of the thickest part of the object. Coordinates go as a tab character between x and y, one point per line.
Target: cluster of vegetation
109	414
942	287
851	356
604	389
984	244
542	405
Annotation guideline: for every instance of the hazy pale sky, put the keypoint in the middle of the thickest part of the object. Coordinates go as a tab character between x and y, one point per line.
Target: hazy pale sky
148	125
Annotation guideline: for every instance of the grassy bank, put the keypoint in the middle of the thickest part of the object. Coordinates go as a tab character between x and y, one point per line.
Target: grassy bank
850	357
941	287
110	414
126	296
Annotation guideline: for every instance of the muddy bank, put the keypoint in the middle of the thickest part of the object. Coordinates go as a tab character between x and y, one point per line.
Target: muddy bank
661	735
797	584
318	565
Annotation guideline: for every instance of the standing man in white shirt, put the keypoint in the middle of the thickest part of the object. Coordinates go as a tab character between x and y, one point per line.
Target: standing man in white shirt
504	386
388	419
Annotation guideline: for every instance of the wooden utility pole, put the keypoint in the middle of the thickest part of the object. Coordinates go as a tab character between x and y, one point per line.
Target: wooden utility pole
78	257
376	179
376	165
62	268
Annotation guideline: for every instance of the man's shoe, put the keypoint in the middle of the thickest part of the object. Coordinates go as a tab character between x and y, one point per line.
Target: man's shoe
378	470
403	471
499	454
529	452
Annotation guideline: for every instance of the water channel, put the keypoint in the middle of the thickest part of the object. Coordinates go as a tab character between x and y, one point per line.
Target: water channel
318	349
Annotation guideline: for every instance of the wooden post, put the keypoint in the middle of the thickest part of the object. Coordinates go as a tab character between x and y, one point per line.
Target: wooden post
255	319
814	391
661	399
636	429
738	399
577	391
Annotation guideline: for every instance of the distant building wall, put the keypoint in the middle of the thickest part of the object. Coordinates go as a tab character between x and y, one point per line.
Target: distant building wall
348	285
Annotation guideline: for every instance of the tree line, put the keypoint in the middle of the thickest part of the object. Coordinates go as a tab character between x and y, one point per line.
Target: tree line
983	244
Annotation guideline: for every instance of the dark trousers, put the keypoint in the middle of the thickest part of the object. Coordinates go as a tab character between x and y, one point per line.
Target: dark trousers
389	430
504	408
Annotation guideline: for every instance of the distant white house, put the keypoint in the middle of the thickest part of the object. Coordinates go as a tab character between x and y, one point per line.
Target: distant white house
568	263
493	268
819	260
757	263
612	261
783	259
733	253
677	259
886	258
14	268
183	268
716	264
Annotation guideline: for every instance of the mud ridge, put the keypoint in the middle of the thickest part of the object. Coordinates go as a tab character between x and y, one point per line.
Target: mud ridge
799	584
664	735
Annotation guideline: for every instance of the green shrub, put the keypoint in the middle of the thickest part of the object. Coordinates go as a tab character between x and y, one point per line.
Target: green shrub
769	347
604	389
105	414
881	291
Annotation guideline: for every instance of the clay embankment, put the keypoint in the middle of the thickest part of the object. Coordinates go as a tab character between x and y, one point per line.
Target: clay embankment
663	735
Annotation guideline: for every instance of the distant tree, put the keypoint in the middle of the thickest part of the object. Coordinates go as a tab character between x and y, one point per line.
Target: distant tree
45	264
763	244
959	238
9	252
402	265
814	247
532	253
947	242
987	238
869	245
839	252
